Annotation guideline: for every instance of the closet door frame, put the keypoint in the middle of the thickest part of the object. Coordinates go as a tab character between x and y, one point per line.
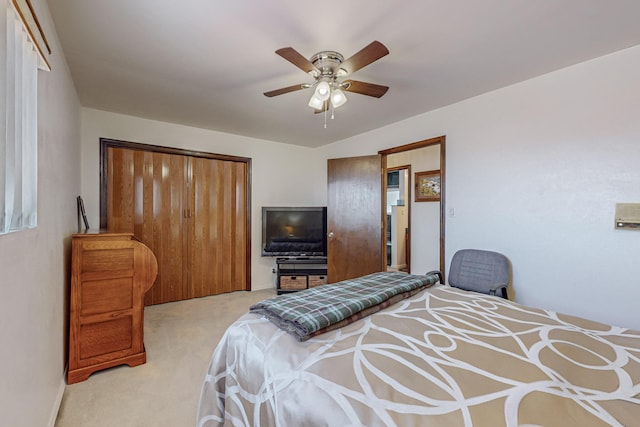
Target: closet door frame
106	143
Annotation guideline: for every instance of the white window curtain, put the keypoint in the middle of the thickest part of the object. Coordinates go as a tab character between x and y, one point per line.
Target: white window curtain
19	145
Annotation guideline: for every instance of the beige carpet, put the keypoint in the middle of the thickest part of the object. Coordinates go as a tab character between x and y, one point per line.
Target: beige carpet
179	338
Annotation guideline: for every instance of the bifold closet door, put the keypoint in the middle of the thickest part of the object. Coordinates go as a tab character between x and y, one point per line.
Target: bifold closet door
190	211
217	226
145	196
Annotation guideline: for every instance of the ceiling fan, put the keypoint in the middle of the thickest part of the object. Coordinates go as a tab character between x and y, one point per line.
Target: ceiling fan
327	68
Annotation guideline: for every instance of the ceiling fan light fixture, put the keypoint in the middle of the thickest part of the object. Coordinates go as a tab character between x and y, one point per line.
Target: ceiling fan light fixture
323	90
316	102
338	98
327	69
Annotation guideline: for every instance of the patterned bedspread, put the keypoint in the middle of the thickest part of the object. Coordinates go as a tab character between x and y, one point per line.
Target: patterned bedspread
312	311
443	357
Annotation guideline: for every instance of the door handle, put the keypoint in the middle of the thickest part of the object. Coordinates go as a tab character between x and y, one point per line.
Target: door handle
330	234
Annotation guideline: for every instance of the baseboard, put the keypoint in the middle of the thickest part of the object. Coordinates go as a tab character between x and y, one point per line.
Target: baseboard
56	406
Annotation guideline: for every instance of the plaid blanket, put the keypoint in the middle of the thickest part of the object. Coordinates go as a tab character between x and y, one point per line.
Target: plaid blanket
312	311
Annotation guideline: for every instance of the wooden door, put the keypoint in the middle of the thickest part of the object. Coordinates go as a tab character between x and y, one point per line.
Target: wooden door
216	259
354	217
145	196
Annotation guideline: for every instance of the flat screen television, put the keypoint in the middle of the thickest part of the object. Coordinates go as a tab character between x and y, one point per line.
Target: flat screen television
294	231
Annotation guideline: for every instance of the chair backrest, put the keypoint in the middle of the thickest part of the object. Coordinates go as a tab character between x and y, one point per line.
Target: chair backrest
478	270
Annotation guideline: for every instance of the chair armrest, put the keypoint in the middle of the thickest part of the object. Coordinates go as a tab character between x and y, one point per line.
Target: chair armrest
499	286
436	272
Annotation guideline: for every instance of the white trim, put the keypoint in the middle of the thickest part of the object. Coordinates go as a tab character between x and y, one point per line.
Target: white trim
57	402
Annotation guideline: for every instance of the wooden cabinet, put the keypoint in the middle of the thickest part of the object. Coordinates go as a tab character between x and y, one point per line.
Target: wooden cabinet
110	274
191	209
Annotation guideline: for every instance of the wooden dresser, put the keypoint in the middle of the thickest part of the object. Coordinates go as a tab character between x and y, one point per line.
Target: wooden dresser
110	273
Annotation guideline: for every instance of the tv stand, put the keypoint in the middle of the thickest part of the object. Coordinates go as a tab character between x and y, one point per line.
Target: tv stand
297	273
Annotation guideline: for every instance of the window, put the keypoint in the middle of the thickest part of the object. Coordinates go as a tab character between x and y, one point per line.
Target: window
21	57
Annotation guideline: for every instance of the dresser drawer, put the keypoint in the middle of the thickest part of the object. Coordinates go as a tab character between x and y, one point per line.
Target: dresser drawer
317	280
293	282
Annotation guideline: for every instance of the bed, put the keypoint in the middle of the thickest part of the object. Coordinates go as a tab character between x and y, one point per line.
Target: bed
439	356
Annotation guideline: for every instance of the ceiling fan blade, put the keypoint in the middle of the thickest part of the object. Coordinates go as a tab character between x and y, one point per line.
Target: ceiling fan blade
369	89
293	56
286	90
370	53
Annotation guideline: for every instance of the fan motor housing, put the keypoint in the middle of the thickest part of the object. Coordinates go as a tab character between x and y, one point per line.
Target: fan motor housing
328	62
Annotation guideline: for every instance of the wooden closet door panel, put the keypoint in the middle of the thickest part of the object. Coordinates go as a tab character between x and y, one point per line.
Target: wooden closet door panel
145	196
235	220
241	275
120	189
167	216
217	227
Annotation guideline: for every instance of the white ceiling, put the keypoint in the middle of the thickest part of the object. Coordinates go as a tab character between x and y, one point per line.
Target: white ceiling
206	63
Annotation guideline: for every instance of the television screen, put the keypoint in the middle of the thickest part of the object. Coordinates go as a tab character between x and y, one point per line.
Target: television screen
294	231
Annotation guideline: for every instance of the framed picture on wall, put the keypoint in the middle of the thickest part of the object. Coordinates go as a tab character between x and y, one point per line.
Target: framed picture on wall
427	186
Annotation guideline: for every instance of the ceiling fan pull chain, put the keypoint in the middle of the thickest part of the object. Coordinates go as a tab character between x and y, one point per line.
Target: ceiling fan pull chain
325	118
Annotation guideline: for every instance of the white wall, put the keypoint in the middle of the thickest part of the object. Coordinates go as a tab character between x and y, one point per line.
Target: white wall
534	171
34	264
282	174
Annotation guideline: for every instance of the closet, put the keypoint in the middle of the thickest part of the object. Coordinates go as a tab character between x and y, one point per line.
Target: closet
190	208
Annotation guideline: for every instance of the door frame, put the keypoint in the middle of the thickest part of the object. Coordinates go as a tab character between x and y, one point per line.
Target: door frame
439	140
408	205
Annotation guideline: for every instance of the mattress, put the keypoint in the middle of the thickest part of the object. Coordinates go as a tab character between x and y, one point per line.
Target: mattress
443	357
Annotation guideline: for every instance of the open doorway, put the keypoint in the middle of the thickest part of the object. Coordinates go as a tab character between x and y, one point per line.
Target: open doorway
425	233
397	214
